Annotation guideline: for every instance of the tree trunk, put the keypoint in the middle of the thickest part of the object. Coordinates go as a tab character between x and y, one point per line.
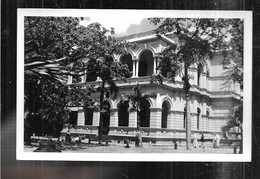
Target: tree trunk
138	138
100	128
188	118
188	123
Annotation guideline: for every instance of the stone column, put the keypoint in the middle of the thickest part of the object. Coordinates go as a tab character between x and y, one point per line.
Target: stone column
154	65
114	117
137	68
134	65
96	115
81	117
155	117
133	119
83	79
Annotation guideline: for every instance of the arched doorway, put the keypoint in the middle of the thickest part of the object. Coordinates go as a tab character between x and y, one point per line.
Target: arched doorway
146	63
144	113
106	117
165	111
123	114
127	59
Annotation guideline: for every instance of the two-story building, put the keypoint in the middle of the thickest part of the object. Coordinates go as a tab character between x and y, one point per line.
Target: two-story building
211	99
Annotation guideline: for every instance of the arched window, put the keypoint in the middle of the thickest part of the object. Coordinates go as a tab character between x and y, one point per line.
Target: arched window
200	70
88	116
123	114
127	60
106	117
198	118
146	63
207	120
165	110
73	117
145	113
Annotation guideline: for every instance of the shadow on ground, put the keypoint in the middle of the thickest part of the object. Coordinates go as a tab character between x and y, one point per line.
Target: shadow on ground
78	147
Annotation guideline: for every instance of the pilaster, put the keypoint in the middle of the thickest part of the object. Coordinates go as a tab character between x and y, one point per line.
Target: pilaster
133	119
96	115
137	68
114	118
203	80
134	66
81	117
155	117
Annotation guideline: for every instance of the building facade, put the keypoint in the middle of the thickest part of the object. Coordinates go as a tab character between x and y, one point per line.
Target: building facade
211	100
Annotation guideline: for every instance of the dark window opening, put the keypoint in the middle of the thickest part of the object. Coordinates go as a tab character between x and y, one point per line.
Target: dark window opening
146	63
198	118
123	114
144	113
73	118
127	60
165	110
88	116
106	117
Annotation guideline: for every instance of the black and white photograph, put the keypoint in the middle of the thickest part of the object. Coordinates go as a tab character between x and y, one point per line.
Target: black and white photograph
134	85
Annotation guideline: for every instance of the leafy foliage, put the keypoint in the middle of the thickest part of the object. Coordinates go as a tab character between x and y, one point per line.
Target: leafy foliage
233	52
198	39
56	47
236	119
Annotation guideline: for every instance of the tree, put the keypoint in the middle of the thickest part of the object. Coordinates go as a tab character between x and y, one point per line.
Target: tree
51	44
233	63
135	100
198	39
236	121
56	47
233	51
103	66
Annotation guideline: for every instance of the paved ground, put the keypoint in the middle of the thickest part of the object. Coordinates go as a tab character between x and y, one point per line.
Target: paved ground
114	147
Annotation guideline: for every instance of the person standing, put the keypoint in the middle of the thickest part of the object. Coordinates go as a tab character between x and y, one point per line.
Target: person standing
217	140
195	140
202	139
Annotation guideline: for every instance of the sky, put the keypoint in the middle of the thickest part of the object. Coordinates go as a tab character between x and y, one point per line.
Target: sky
123	23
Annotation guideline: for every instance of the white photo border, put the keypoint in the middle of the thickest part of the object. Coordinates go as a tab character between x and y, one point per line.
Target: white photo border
247	94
